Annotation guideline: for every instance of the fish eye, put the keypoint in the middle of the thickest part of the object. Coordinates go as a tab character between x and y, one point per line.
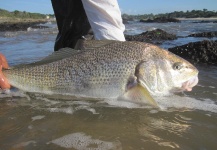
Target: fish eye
177	66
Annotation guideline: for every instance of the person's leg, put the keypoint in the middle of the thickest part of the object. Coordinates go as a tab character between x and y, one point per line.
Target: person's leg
72	22
105	19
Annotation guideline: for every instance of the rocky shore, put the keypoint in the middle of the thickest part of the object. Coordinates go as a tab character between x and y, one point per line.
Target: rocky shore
204	34
196	52
155	36
21	26
16	24
161	20
205	21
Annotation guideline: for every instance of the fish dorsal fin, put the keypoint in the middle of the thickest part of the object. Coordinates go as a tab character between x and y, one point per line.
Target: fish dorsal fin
60	54
92	44
57	55
139	94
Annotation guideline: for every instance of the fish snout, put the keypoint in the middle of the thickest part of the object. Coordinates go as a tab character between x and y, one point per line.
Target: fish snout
188	85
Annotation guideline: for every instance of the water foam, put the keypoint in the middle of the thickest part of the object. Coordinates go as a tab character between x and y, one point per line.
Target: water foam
69	106
12	93
185	102
29	29
10	34
37	118
166	103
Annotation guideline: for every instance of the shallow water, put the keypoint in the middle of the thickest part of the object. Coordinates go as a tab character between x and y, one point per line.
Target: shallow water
33	121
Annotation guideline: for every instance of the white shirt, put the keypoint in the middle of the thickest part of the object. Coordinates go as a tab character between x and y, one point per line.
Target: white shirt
105	19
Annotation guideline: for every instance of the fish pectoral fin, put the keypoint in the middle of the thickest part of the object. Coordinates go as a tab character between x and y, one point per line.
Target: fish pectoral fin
139	94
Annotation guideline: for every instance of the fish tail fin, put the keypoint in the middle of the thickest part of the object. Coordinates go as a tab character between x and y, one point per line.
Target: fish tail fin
4	84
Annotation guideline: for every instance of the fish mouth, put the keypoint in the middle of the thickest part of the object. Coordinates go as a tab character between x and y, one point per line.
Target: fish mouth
189	84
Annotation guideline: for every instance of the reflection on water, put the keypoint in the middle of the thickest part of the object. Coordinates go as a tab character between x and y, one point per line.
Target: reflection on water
34	121
39	121
82	141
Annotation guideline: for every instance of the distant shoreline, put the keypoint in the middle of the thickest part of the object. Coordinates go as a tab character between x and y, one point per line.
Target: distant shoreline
22	20
21	24
212	18
17	24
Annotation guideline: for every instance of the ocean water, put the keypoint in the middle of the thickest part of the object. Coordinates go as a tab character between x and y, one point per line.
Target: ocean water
33	121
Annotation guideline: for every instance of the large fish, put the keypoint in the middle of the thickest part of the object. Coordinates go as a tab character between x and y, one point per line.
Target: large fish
105	69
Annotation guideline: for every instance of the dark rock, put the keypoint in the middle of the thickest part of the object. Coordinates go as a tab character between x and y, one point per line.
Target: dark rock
155	36
19	26
198	52
161	20
205	21
39	27
126	20
204	34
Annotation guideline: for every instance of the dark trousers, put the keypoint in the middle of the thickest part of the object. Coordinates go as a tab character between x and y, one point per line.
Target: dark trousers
72	22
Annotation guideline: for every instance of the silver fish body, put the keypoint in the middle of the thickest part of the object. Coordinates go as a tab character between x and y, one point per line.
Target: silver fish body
106	69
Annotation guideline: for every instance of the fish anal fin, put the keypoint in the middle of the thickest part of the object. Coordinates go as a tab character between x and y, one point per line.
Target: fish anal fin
139	94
